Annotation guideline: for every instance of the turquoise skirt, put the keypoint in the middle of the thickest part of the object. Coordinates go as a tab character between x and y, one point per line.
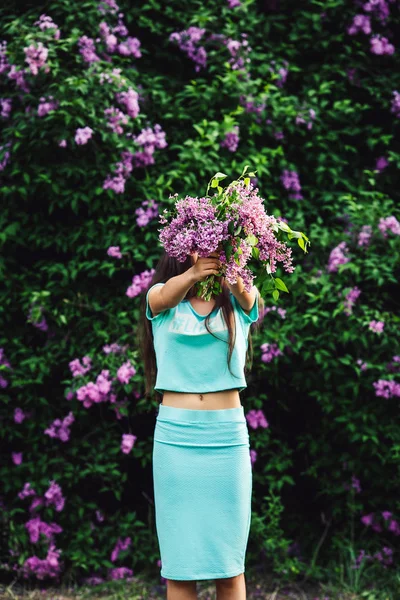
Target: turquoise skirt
202	479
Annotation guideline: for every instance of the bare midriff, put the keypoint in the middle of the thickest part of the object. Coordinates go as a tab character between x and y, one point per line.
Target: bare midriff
208	400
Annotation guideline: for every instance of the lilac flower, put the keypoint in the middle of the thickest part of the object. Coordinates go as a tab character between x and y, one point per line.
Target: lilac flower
45	22
337	257
113	348
48	567
253	456
36	526
54	493
16	457
114	251
5	104
363	365
125	372
121	573
83	134
381	163
87	49
376	326
47	105
250	106
119	546
365	235
60	428
269	352
381	45
78	369
256	418
231	140
239	51
150	139
282	72
130	100
127	442
350	300
62	143
95	392
140	283
4	64
36	57
360	23
380	7
6	157
19	415
389	223
144	215
300	118
188	41
109	6
116	119
99	516
130	47
395	108
19	77
290	181
386	388
234	3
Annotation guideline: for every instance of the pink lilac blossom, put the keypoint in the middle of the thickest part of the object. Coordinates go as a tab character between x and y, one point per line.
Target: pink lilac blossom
188	41
36	58
19	415
256	418
108	6
234	3
83	135
87	49
381	163
140	283
16	457
121	573
60	428
119	546
45	22
239	51
114	348
122	172
269	352
282	72
379	7
395	107
231	140
130	47
26	491
337	257
386	388
381	45
394	364
47	105
116	119
95	393
253	456
19	77
78	369
364	236
114	251
6	104
251	106
109	38
130	100
62	143
36	526
376	326
147	211
301	118
54	496
125	372
350	300
127	442
389	223
360	23
363	365
290	181
48	567
281	311
150	139
6	157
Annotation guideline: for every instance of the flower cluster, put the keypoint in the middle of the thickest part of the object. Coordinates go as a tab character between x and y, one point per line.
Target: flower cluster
231	140
256	418
290	181
146	212
60	428
364	236
337	257
350	300
389	223
395	105
269	352
140	283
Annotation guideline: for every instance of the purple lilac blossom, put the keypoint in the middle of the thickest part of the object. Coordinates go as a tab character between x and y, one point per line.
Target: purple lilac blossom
6	104
381	163
282	72
36	58
125	372
48	567
36	526
337	257
127	442
386	388
108	6
389	223
60	428
363	365
395	107
130	47
83	134
231	140
78	369
121	573
114	251
350	300
19	77
6	157
290	181
376	326
269	352
239	51
379	7
45	22
234	3
19	415
16	457
54	496
300	118
140	283
256	418
360	23
364	236
253	456
130	100
62	143
119	546
381	45
87	49
116	119
147	211
47	105
188	41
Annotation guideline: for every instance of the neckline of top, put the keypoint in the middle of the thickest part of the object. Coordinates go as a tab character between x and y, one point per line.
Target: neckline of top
195	311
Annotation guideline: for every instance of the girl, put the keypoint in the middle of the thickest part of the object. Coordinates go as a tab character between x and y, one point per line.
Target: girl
197	352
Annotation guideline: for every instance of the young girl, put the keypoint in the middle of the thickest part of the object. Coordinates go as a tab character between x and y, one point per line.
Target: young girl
196	352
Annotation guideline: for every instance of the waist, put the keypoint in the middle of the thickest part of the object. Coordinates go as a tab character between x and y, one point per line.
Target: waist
209	401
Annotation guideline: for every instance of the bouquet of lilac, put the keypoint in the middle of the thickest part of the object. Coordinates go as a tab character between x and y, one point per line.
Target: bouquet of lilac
233	222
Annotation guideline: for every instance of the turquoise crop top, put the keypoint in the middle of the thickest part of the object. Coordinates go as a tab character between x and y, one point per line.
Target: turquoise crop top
189	358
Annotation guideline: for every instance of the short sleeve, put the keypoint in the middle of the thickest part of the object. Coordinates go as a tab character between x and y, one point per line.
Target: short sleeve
253	315
149	314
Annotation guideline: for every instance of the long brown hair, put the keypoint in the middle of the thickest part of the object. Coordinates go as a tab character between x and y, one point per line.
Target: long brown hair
166	268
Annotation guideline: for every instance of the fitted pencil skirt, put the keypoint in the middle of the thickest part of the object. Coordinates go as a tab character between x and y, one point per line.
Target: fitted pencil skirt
202	479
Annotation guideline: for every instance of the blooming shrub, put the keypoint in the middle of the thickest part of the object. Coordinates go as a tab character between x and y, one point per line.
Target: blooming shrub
103	114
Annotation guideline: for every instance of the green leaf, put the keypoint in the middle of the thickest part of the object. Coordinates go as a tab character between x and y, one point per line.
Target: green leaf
275	294
300	242
280	285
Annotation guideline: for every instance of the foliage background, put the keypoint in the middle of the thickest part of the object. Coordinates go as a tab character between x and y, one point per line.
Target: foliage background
329	454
